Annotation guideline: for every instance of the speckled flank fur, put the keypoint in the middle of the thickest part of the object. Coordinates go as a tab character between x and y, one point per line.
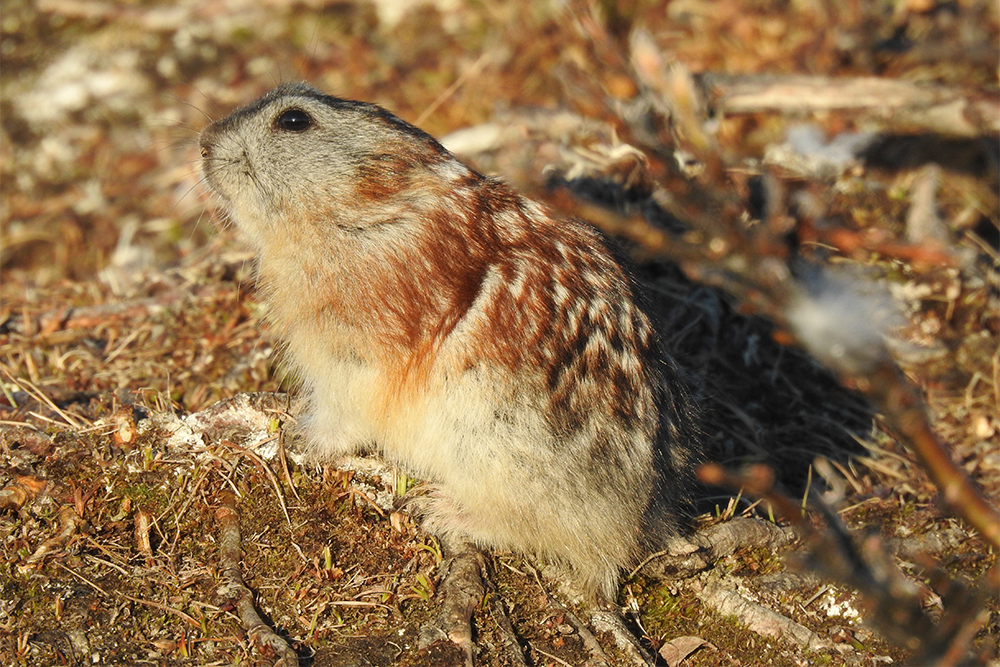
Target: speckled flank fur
438	318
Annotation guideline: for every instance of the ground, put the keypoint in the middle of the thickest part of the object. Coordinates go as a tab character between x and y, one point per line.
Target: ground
128	306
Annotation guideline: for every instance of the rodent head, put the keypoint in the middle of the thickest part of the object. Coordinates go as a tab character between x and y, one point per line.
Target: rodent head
297	156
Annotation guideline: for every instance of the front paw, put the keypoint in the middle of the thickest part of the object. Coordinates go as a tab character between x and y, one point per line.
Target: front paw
435	510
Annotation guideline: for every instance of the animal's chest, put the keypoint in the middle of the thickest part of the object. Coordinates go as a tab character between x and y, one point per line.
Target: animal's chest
360	394
439	424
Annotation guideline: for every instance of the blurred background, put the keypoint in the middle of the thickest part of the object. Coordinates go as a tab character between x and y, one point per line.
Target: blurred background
101	102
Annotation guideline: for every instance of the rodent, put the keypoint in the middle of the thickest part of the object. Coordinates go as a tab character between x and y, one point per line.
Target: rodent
439	319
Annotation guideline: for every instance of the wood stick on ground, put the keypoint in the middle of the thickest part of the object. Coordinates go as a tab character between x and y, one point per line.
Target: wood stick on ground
726	601
234	590
511	647
897	105
612	622
461	591
594	648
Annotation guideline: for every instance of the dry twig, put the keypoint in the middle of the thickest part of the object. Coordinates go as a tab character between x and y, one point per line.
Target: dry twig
235	591
899	106
461	591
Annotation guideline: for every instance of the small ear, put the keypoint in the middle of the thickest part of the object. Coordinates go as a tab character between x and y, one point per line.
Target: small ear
383	175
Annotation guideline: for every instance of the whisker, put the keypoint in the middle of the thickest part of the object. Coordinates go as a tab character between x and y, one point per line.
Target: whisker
194	106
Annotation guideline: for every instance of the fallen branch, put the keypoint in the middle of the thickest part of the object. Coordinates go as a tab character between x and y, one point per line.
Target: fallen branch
235	591
899	106
611	622
728	602
461	591
907	417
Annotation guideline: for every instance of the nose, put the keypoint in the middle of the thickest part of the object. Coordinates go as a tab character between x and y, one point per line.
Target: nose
207	141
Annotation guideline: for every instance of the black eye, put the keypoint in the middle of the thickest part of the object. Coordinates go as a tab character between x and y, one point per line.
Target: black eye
293	120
